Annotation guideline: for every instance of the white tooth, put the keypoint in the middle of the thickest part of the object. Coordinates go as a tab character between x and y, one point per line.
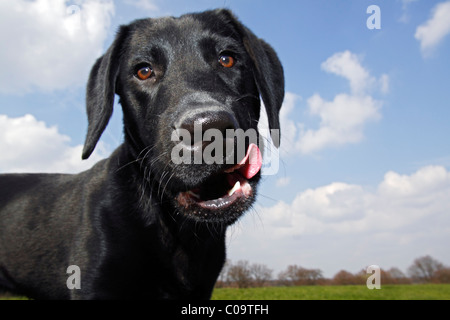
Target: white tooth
236	186
193	194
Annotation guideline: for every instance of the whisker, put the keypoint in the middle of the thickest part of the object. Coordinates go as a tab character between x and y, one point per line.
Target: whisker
137	158
146	154
164	189
249	95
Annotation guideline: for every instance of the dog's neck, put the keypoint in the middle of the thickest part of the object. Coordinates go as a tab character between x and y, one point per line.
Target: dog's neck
192	250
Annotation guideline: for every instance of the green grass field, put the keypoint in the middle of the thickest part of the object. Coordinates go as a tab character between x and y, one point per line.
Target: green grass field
387	292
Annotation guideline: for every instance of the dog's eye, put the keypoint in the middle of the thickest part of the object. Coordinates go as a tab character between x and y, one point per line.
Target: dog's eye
144	73
226	61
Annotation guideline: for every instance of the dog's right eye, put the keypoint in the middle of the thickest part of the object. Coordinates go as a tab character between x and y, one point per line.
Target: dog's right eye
226	61
145	72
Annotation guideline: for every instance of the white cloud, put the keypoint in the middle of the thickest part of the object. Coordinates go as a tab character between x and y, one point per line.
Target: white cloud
433	31
49	44
399	200
283	182
147	5
334	202
405	15
343	225
343	119
29	145
347	65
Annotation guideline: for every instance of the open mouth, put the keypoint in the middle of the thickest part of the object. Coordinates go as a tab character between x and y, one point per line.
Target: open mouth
225	189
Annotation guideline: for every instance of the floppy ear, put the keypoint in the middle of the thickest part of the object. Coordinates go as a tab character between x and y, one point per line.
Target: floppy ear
100	92
269	77
268	73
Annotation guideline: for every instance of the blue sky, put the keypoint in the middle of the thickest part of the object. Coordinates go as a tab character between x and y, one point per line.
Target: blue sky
365	157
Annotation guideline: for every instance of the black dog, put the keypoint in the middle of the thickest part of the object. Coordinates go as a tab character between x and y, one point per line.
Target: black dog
139	225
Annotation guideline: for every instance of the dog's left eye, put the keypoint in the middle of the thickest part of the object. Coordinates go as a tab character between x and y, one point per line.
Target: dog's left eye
144	72
227	61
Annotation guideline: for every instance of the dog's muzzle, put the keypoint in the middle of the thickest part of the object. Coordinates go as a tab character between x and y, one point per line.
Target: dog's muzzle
227	188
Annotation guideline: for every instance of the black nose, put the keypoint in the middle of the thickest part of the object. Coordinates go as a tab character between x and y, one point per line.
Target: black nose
199	123
208	127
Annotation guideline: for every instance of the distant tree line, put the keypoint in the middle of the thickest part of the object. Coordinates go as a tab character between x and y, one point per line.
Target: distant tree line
243	274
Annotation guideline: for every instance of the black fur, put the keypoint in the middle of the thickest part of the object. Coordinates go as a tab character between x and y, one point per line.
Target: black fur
122	222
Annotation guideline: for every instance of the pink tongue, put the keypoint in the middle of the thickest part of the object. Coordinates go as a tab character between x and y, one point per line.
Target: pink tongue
252	162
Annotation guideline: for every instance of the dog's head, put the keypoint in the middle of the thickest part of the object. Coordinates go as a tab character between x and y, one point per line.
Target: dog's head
190	92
